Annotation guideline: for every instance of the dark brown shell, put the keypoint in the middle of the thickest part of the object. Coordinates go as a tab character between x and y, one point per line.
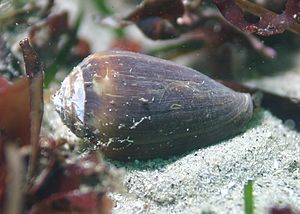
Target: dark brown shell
139	107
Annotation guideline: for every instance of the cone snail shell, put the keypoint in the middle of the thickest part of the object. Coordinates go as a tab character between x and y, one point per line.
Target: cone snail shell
140	107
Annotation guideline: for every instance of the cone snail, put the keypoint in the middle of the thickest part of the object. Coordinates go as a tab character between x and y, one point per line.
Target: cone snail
136	106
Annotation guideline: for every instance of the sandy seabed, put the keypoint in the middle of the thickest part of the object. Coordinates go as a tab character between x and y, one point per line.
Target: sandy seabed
212	179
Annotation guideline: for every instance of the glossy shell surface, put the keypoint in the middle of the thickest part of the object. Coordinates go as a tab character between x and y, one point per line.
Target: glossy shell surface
139	107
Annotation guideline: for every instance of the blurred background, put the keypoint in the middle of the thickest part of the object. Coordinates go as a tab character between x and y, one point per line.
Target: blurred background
189	32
